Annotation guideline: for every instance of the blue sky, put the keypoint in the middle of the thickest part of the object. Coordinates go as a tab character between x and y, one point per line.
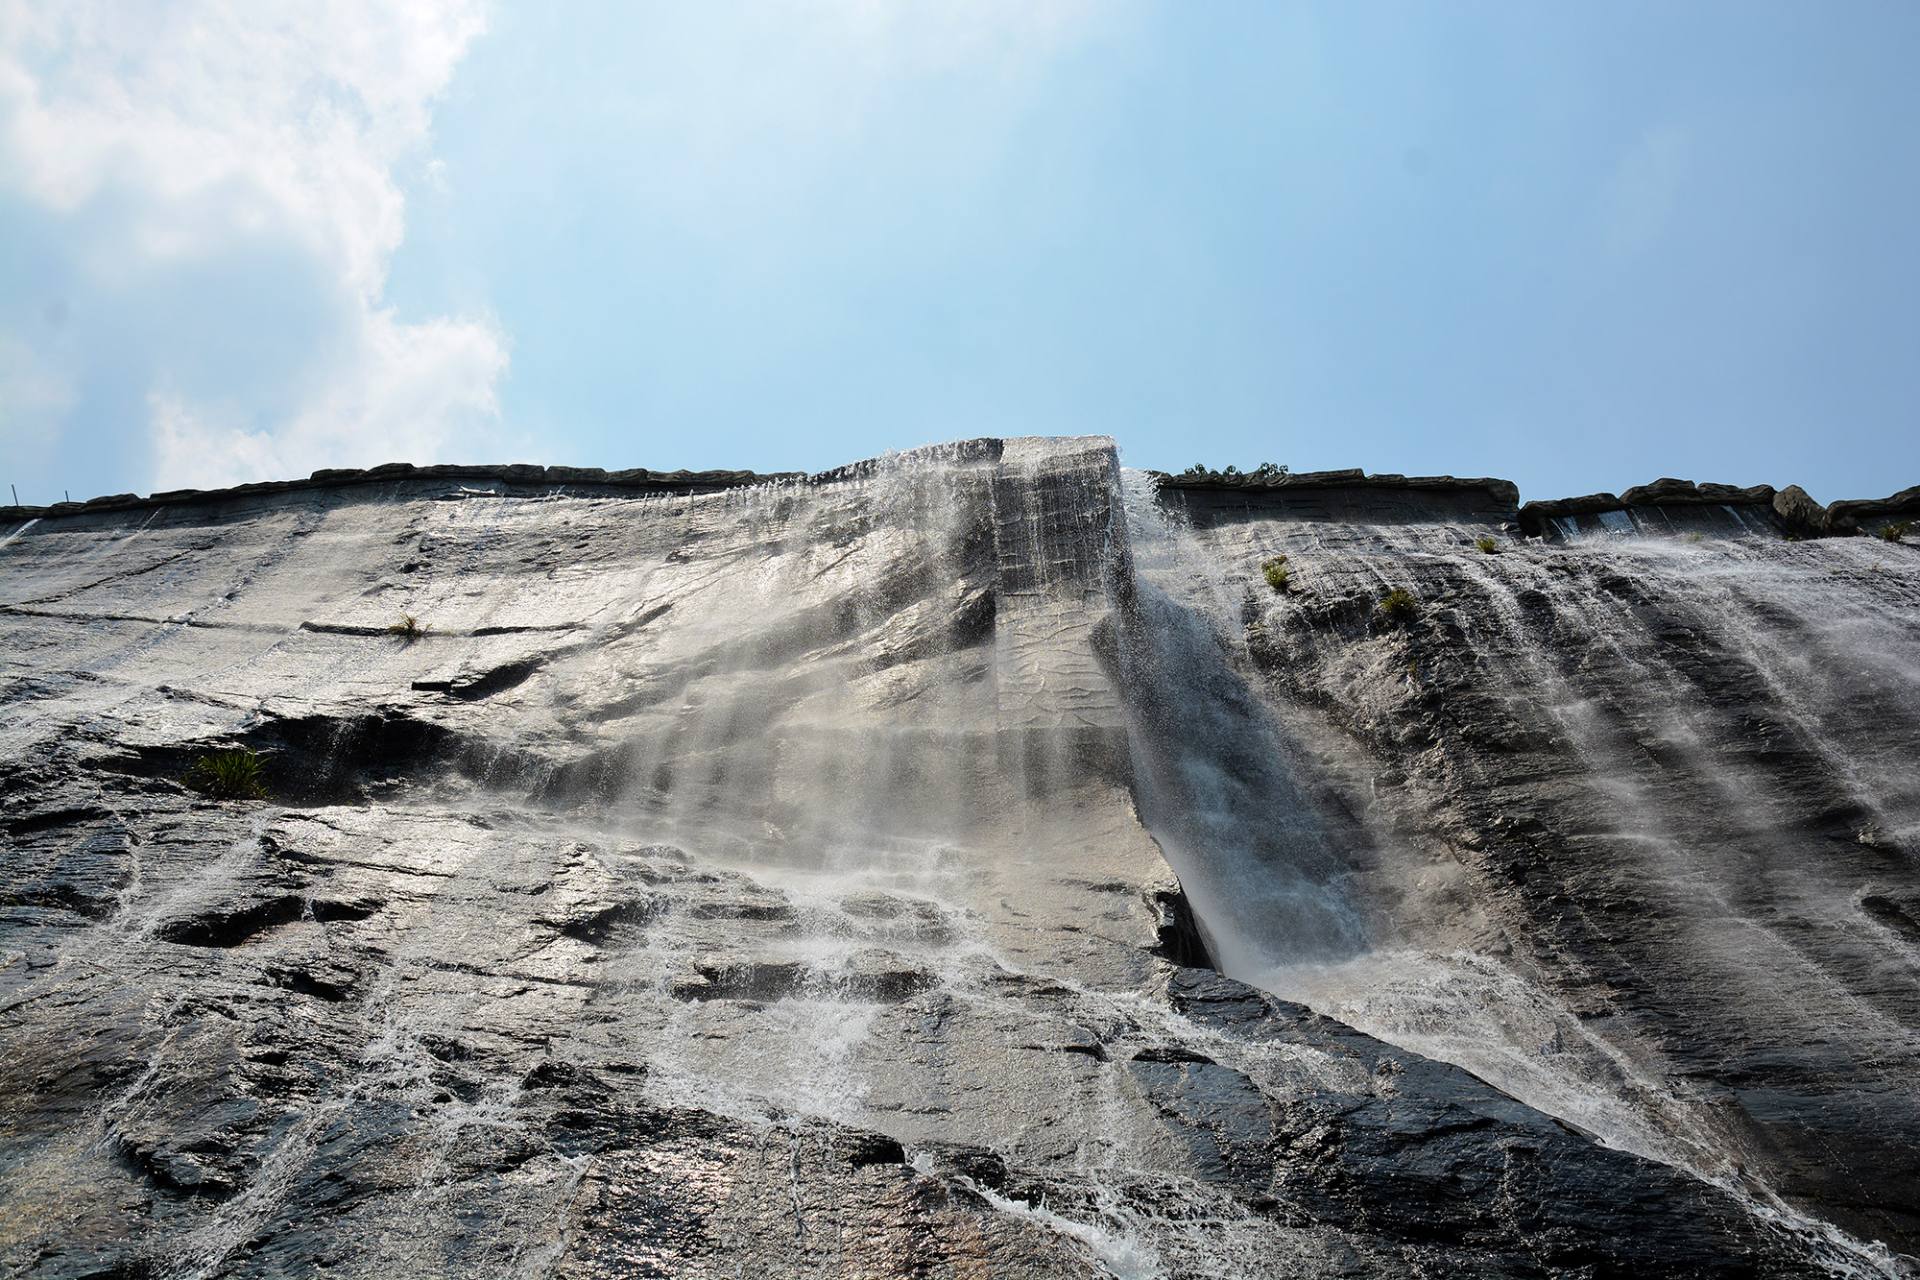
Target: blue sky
1578	246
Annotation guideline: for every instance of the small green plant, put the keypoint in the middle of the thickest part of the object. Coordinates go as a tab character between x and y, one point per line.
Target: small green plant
1696	537
1399	605
1277	573
408	628
1487	544
1896	531
228	775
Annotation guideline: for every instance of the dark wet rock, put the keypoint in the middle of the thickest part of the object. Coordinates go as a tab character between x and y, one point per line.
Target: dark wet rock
235	924
742	911
1852	515
1669	490
1668	506
1634	772
1501	491
1177	933
1587	504
512	474
1801	514
76	859
596	921
1446	1142
867	976
1347	494
1665	489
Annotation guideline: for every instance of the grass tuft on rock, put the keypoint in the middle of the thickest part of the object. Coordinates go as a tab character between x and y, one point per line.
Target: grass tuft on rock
1278	575
1896	531
1486	544
1399	606
228	775
408	628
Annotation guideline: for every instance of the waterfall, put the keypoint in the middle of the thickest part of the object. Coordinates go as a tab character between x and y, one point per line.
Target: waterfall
780	875
1714	720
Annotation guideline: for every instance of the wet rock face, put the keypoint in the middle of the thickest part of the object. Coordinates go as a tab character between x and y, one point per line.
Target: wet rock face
752	879
1343	495
1871	515
1639	826
1670	506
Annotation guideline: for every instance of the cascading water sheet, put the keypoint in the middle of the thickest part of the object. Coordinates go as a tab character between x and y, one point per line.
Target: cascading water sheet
1712	729
775	878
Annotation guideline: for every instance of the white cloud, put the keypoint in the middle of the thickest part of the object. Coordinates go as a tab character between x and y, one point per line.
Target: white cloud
253	145
409	392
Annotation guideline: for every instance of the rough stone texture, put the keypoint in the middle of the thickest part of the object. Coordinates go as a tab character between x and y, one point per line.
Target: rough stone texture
1869	515
1349	494
507	474
1356	494
752	879
1637	826
1667	491
1798	511
1665	506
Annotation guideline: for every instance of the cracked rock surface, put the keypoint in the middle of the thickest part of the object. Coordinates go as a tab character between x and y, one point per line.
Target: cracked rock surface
1631	816
775	880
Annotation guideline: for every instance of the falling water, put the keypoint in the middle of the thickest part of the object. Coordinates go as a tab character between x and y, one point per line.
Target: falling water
826	808
1821	635
886	721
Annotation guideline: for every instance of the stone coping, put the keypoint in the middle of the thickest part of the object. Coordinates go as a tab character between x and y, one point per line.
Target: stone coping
638	479
1504	492
1795	510
1663	492
1852	510
1792	505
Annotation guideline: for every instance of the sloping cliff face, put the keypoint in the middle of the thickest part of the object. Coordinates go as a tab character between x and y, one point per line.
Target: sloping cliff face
1635	818
779	878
